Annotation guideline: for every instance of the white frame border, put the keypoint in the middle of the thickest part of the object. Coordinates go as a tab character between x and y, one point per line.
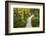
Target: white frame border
17	5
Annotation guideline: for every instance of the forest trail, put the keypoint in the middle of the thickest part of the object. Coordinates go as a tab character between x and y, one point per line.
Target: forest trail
29	21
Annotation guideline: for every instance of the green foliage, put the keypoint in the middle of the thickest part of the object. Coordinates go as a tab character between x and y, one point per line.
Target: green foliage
21	15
